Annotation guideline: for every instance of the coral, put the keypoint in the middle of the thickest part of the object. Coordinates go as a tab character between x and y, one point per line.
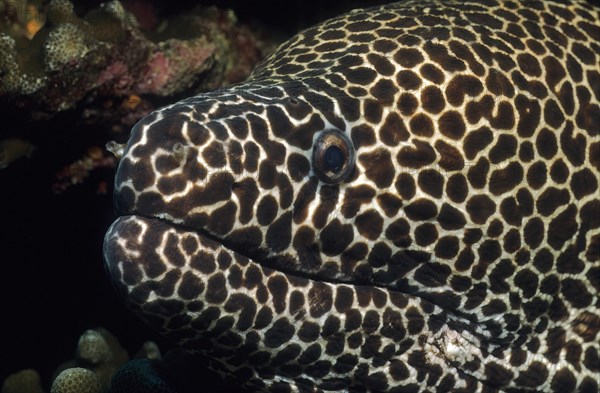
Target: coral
106	53
76	380
65	44
93	348
25	381
76	173
101	352
61	11
149	350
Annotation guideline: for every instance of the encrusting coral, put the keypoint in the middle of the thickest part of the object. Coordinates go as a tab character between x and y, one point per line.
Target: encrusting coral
106	52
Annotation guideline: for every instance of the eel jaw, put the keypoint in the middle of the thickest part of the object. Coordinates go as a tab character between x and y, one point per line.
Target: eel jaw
219	303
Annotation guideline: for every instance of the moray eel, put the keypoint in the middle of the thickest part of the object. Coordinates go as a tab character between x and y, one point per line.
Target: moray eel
402	199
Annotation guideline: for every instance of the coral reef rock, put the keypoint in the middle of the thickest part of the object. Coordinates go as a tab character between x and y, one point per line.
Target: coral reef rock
53	65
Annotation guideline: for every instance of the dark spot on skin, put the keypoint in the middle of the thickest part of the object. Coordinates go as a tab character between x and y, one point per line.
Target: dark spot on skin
373	110
384	91
266	210
405	185
385	46
566	98
336	237
480	208
554	71
451	159
425	234
421	210
222	219
546	143
214	155
408	80
529	115
393	130
432	99
431	182
477	173
451	218
559	172
457	188
279	334
408	57
190	287
172	184
476	110
266	174
407	104
505	148
432	73
343	299
447	248
498	84
378	167
553	115
583	183
279	234
463	52
536	175
279	121
329	196
415	321
380	255
452	125
360	75
504	180
247	193
362	135
369	224
216	290
382	65
355	197
420	155
298	166
551	199
398	233
583	53
476	141
529	64
439	54
421	125
563	227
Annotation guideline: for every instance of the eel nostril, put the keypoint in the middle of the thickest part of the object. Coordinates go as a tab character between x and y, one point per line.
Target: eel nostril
178	150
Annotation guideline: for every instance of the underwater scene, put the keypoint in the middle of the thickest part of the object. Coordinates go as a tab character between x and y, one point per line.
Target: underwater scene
357	196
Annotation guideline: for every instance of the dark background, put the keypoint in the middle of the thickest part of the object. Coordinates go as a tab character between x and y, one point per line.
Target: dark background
52	280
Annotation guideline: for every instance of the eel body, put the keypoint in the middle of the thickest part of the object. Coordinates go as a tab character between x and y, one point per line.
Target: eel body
400	199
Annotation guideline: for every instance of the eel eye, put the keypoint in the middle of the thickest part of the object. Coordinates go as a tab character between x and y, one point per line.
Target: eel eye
333	156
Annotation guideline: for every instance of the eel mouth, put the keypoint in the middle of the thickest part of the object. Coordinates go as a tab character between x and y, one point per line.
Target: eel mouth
208	297
154	245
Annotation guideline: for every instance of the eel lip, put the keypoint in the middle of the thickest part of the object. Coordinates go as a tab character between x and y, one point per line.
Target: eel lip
144	254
